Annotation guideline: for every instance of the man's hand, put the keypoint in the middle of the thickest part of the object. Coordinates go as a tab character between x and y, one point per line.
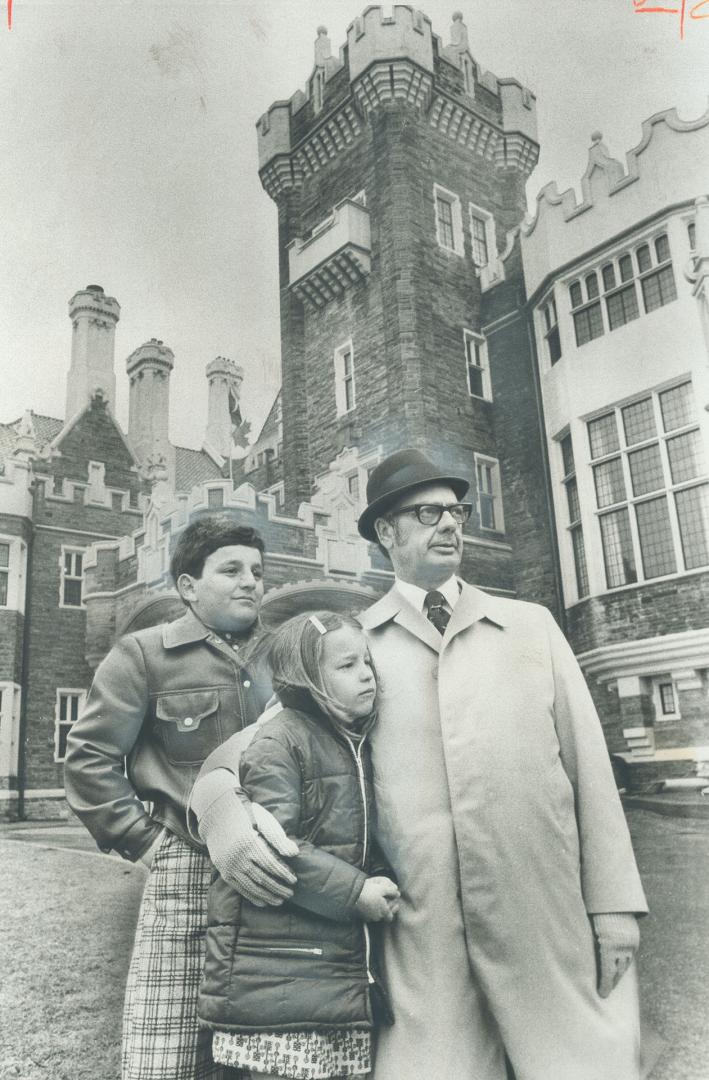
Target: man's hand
244	841
617	939
379	900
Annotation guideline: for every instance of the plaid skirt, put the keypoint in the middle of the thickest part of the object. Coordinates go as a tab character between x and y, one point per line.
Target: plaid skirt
161	1036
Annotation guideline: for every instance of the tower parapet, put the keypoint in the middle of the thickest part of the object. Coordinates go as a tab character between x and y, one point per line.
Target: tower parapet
391	57
374	37
273	129
519	109
93	317
396	59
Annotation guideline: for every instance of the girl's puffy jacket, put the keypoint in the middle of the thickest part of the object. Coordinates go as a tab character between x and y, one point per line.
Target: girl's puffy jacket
308	964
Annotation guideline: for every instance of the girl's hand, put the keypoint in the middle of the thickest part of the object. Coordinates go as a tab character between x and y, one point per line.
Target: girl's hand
379	900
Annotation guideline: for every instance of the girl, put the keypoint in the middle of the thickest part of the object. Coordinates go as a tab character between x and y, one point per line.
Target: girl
292	991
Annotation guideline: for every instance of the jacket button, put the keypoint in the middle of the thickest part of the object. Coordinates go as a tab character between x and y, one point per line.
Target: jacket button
189	721
247	683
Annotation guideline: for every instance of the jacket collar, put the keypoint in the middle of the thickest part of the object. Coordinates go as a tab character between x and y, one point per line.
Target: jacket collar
187	630
184	631
301	700
473	605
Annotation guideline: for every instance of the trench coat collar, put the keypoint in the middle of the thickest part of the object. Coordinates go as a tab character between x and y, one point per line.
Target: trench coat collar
472	605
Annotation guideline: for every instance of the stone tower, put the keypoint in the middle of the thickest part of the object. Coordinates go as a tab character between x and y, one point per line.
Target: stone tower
223	413
398	175
148	369
93	317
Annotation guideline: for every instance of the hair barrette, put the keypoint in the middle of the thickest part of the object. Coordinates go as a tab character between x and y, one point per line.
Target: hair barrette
317	624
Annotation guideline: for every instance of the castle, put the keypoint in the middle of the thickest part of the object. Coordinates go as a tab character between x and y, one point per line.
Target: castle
560	361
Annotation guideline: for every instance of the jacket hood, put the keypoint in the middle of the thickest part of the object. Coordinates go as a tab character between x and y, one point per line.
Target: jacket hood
302	700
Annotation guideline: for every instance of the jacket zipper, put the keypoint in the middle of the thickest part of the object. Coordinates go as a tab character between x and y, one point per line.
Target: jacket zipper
291	948
357	754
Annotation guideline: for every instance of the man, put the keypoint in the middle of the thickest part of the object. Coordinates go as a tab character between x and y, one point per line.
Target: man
498	812
497	809
161	701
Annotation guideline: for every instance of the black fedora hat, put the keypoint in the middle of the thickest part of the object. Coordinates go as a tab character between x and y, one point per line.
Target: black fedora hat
401	471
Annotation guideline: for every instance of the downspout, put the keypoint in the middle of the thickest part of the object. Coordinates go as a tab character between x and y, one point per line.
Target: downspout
24	672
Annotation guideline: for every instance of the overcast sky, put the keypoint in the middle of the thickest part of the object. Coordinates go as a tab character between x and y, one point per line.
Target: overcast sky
128	159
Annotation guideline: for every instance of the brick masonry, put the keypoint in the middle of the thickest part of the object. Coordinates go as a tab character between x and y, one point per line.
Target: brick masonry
667	607
663	607
53	635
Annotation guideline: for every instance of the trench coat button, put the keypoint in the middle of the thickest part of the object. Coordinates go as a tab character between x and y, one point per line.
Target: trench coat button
189	721
247	683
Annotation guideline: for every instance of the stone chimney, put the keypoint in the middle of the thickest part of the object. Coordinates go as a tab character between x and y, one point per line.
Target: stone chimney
323	47
149	370
223	415
459	31
93	318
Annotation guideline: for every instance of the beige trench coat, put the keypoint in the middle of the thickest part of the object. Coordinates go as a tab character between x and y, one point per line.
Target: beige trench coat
498	810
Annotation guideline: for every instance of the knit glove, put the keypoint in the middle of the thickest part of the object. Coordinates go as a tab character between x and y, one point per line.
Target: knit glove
617	939
243	840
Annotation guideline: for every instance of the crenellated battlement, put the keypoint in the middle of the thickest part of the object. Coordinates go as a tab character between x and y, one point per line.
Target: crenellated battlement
394	57
303	552
273	130
374	36
519	108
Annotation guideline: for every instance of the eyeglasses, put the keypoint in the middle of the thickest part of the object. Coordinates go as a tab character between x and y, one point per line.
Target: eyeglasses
431	513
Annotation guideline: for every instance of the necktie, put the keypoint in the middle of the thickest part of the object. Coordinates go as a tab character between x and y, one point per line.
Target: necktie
436	610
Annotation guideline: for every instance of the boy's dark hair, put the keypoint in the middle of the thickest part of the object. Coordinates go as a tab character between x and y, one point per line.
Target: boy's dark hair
205	535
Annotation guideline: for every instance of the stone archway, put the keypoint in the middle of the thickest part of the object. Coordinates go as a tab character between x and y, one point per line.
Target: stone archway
284	601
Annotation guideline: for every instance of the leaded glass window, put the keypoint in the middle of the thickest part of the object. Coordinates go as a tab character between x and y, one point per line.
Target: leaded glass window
650	478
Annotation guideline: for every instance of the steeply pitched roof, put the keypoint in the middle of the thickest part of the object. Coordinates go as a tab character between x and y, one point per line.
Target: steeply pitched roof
270	424
193	467
46	428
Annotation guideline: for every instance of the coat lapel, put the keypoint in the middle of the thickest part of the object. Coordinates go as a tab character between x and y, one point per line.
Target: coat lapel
473	605
394	608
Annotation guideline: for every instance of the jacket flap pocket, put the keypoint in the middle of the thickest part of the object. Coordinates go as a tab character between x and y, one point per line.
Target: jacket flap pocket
187	709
